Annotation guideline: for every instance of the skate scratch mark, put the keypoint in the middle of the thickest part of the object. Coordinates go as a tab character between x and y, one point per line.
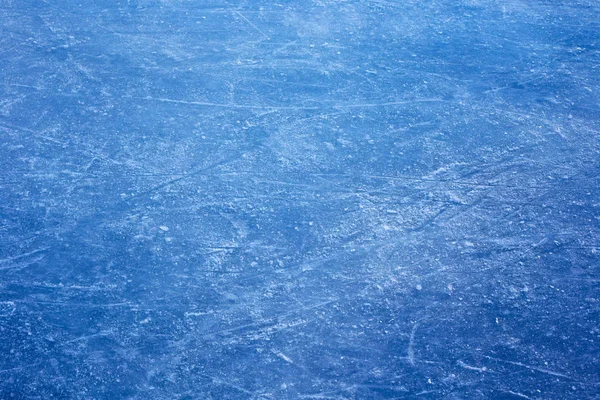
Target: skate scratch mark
530	367
289	108
252	25
410	351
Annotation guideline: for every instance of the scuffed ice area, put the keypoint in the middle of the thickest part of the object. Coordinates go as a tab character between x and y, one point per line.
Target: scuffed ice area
326	199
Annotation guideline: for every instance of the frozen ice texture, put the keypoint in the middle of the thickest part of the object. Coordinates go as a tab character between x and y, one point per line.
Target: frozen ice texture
326	199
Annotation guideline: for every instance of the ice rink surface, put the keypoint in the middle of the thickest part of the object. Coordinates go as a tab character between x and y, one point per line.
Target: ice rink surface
326	199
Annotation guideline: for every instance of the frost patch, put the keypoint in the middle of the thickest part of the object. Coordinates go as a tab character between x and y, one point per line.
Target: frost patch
7	308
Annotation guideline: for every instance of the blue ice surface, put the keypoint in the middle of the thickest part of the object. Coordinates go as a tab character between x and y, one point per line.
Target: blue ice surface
318	199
